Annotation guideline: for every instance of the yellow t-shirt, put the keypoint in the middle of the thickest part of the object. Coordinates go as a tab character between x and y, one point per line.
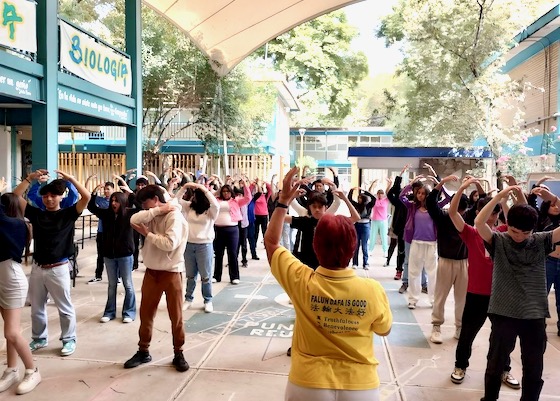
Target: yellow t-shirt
337	313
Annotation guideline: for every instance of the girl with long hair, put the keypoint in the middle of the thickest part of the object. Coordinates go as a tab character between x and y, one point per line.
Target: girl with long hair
14	235
201	213
118	248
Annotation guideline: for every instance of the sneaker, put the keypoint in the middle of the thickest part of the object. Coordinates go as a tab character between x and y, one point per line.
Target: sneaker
354	266
179	362
31	379
366	267
398	276
68	348
208	307
510	381
235	281
104	319
424	290
244	264
403	288
138	359
458	375
411	305
119	281
256	258
436	335
457	333
94	280
214	280
10	376
37	344
187	305
127	320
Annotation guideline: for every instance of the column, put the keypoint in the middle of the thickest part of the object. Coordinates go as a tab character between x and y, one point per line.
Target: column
45	116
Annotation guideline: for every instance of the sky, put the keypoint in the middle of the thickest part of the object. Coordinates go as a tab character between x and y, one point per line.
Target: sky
366	16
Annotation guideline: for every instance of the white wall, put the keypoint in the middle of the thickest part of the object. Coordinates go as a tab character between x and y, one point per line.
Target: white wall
6	155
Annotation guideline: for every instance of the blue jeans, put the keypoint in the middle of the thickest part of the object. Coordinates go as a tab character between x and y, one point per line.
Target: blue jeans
362	232
198	259
405	267
553	277
122	266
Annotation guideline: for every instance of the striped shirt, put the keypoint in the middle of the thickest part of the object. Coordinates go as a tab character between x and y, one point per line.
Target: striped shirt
519	277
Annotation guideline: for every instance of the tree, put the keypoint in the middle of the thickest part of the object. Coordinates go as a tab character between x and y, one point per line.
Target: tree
177	77
317	60
453	90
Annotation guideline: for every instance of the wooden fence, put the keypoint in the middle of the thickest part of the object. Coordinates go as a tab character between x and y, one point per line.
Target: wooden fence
82	165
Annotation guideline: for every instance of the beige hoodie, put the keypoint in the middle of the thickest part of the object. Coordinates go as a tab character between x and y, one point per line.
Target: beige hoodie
164	246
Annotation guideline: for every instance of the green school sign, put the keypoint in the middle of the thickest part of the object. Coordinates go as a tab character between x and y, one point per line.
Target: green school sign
18	85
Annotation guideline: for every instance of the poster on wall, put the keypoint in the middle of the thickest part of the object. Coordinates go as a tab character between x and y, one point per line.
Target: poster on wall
93	61
18	28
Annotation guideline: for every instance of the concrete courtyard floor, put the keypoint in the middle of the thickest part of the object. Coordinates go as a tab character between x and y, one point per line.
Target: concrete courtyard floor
239	351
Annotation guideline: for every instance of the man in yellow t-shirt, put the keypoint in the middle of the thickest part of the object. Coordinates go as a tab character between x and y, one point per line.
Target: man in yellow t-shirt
337	312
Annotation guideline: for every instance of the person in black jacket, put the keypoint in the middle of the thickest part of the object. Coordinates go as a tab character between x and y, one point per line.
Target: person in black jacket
118	248
452	262
363	206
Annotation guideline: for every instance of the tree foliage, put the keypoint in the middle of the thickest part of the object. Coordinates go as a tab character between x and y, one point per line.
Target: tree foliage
177	77
453	91
317	60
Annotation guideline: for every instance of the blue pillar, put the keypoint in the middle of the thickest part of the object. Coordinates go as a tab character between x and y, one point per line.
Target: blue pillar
133	33
45	116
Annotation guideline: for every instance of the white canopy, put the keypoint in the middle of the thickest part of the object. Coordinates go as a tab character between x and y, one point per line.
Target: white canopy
227	31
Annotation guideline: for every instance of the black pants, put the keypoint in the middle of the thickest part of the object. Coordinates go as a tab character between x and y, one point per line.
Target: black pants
242	243
136	237
262	222
532	339
474	316
100	262
226	238
399	241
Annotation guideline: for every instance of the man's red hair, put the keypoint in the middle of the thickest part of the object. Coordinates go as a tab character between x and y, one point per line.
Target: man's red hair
334	241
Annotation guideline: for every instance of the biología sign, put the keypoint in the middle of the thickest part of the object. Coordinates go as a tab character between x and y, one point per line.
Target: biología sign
93	61
18	28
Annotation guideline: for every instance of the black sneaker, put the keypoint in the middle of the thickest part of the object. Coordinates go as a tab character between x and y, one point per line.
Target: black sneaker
138	359
179	362
256	258
424	290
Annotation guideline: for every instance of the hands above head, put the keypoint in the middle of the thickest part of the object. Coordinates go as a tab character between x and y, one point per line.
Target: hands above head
545	194
64	175
469	180
509	179
405	169
290	187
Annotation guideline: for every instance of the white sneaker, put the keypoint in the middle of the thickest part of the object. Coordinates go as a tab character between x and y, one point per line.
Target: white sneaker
127	320
354	266
411	305
31	379
214	280
104	319
10	376
458	375
208	307
235	281
457	333
187	305
436	335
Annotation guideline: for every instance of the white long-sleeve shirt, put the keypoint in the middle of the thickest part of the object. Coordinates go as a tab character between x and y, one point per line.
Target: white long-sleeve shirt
165	244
